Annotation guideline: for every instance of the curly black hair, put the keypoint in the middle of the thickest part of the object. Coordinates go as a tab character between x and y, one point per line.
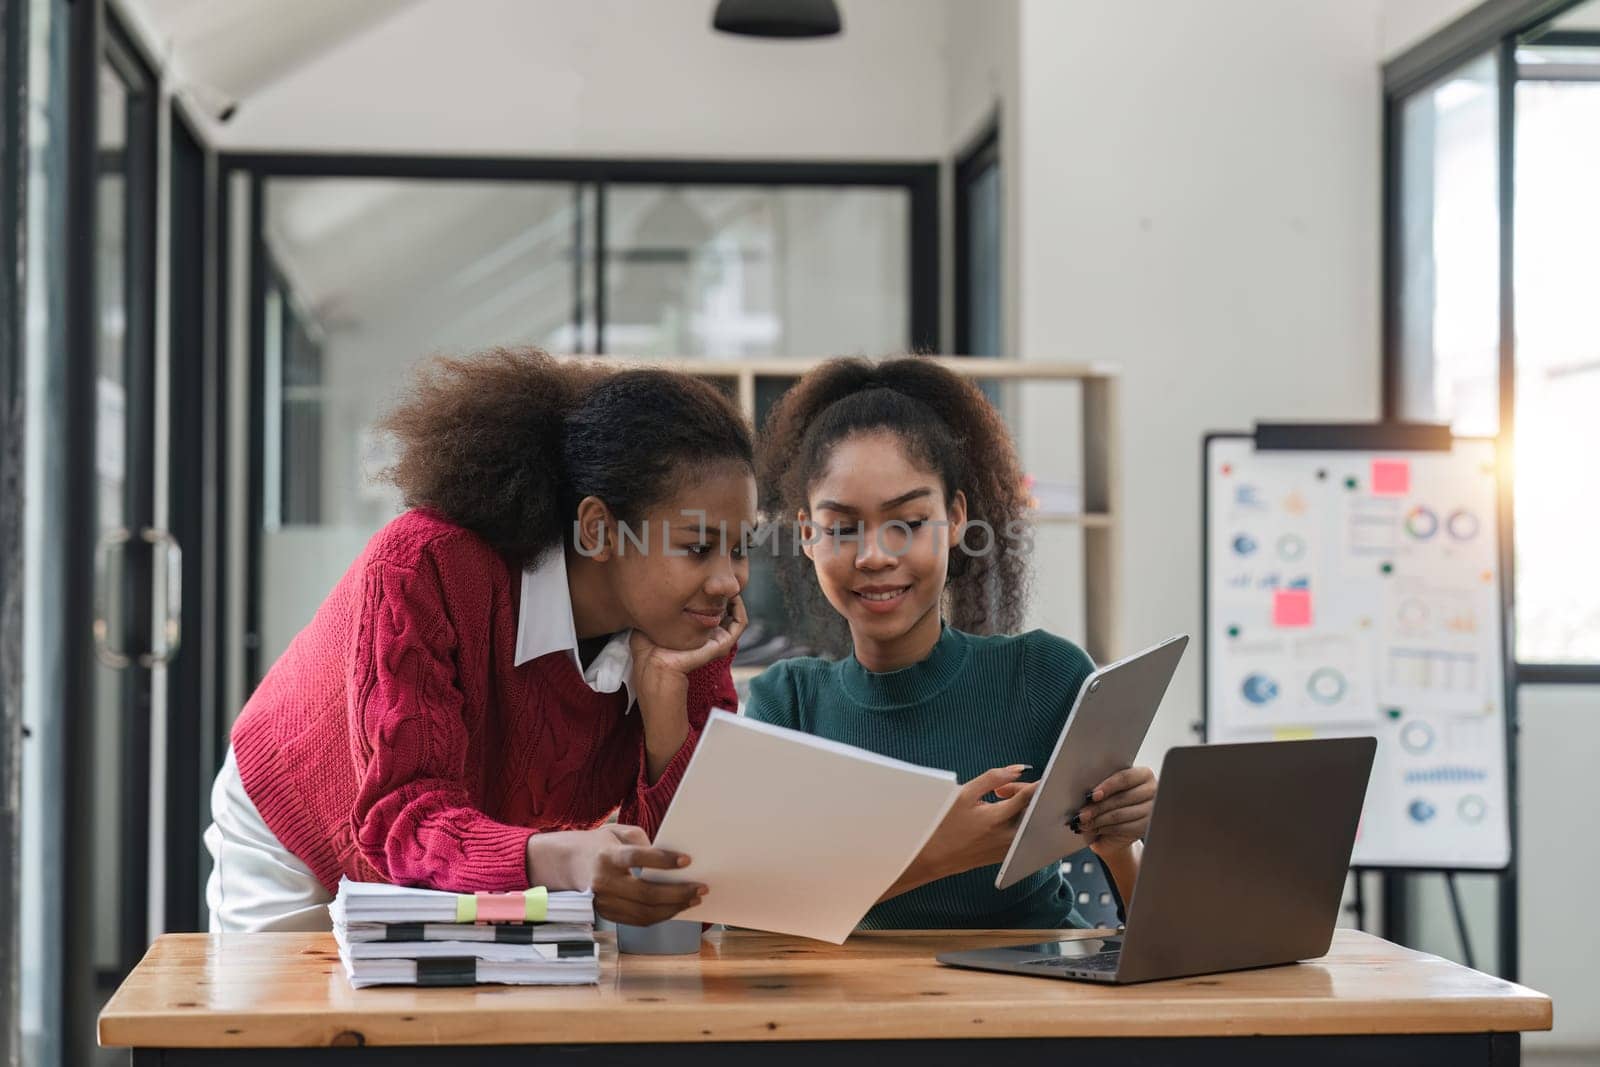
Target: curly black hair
508	441
946	424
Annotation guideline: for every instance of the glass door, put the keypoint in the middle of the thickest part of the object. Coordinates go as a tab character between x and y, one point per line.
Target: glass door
130	557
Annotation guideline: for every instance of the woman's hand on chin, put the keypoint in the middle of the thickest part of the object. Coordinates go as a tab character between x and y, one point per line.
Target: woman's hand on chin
661	684
651	659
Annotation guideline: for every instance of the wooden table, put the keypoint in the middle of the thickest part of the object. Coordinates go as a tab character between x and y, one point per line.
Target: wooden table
762	999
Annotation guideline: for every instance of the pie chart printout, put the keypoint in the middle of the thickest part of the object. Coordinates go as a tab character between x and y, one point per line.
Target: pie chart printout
1358	593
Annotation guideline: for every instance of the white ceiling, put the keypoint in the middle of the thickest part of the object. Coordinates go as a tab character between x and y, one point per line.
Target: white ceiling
525	77
229	51
582	78
1583	17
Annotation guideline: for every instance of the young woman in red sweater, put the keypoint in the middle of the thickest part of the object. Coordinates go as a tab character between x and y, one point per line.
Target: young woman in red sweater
535	645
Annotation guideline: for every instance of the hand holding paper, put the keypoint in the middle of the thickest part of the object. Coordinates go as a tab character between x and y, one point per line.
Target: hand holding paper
604	860
793	833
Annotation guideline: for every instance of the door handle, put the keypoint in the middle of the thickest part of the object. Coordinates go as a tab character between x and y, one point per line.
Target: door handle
111	542
171	631
114	543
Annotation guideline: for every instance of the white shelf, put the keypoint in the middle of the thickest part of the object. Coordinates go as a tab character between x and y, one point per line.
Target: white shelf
1091	520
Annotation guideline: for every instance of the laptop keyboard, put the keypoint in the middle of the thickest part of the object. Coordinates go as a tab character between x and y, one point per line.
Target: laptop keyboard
1105	962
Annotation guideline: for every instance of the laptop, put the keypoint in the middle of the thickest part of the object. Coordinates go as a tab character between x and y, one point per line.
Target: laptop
1244	866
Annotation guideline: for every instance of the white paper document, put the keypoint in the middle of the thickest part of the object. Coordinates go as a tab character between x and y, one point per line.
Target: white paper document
793	833
468	972
378	902
582	950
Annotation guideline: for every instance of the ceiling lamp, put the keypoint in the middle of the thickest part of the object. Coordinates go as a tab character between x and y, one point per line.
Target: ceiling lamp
778	18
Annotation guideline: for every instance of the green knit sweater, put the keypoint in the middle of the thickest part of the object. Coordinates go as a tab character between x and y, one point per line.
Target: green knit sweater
974	704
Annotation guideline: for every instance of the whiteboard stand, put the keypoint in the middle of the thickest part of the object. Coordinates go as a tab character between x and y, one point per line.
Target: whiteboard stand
1408	483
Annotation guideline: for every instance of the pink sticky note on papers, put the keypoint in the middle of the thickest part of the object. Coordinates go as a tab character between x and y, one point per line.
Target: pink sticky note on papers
1291	607
1391	477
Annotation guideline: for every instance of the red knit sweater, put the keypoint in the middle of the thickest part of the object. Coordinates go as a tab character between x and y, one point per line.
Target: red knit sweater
394	741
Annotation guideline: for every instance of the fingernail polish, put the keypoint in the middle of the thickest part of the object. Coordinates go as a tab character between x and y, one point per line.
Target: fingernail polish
1088	798
1073	825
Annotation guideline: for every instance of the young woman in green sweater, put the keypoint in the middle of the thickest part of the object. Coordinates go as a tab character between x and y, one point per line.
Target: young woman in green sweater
912	510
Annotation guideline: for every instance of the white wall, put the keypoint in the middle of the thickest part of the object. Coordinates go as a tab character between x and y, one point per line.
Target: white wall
1203	211
1560	863
611	78
980	65
1405	22
1583	17
983	47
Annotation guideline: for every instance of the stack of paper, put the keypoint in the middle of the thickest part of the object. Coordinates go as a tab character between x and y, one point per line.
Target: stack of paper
395	935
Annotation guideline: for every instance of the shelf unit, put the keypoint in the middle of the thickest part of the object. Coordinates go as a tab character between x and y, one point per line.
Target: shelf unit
1102	475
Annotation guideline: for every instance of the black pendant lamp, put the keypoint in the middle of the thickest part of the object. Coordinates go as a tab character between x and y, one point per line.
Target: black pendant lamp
778	18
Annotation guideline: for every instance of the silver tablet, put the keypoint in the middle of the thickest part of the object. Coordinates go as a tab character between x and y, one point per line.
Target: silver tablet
1102	735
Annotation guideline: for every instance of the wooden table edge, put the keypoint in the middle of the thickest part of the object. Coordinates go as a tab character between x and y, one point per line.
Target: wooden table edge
178	1029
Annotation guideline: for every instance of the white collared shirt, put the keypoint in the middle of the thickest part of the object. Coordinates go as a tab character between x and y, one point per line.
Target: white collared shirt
544	625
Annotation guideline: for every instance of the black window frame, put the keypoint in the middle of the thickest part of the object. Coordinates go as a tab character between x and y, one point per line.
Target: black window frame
194	458
979	156
1491	28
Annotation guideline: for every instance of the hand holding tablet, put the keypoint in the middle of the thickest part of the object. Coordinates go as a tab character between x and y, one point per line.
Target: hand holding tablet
1101	737
1117	812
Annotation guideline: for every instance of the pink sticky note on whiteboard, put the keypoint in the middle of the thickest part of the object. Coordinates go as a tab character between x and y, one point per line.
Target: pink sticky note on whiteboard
1391	477
1291	607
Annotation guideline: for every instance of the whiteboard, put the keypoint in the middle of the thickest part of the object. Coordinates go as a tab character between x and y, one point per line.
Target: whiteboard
1359	593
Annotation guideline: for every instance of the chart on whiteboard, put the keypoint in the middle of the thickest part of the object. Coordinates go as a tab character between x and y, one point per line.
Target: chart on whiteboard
1358	593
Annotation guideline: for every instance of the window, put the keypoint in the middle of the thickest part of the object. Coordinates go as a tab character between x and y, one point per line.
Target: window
367	266
1557	390
1493	224
745	270
1449	275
